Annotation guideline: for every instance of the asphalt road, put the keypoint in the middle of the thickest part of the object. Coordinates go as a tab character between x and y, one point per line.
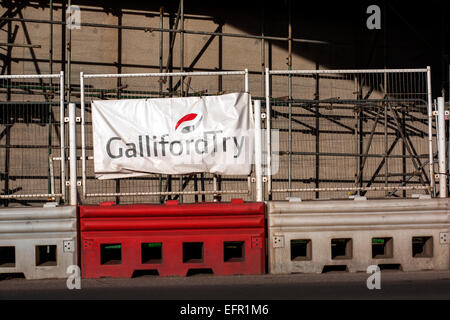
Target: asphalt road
333	285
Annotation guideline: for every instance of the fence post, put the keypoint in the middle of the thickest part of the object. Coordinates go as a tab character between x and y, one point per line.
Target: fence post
258	152
246	86
430	132
62	136
83	140
442	149
72	155
268	136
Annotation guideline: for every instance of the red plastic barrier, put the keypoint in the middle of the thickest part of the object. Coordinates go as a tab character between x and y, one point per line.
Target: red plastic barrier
171	239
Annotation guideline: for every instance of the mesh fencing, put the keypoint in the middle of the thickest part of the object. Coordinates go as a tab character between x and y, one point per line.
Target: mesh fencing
156	188
341	133
354	132
31	131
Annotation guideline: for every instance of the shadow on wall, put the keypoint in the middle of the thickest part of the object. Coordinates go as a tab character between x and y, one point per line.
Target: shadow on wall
412	34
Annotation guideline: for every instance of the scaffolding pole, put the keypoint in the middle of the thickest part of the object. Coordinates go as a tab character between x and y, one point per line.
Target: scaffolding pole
175	30
442	149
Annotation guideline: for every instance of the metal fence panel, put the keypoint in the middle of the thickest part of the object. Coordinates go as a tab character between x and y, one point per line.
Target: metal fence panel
32	138
351	132
155	187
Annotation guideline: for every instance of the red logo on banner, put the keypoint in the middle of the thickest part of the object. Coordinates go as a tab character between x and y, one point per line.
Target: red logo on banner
191	124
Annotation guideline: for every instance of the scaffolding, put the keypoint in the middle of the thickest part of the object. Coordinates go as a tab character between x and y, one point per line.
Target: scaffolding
320	116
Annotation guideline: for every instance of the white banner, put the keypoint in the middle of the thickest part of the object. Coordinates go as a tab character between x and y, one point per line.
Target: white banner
173	136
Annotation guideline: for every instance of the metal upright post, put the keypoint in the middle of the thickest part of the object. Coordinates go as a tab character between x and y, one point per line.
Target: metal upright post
62	97
258	151
290	98
430	131
317	124
361	135
268	135
9	125
50	50
181	46
119	53
356	126
63	35
220	60
119	80
386	141
83	135
69	54
73	155
442	149
404	152
62	135
161	52
386	148
181	70
263	51
246	81
50	118
215	199
161	43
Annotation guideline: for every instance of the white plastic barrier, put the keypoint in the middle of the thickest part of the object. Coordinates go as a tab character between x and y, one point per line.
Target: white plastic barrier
38	242
315	236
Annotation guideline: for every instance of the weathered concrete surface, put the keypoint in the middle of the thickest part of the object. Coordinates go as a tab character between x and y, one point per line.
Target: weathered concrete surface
397	221
30	232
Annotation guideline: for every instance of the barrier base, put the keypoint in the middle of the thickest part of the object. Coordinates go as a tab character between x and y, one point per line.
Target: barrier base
171	254
39	258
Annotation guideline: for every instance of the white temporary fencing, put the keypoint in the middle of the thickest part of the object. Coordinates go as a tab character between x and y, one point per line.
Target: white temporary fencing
141	86
316	236
351	120
32	130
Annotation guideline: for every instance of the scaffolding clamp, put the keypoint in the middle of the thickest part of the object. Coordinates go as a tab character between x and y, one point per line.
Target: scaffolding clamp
79	184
